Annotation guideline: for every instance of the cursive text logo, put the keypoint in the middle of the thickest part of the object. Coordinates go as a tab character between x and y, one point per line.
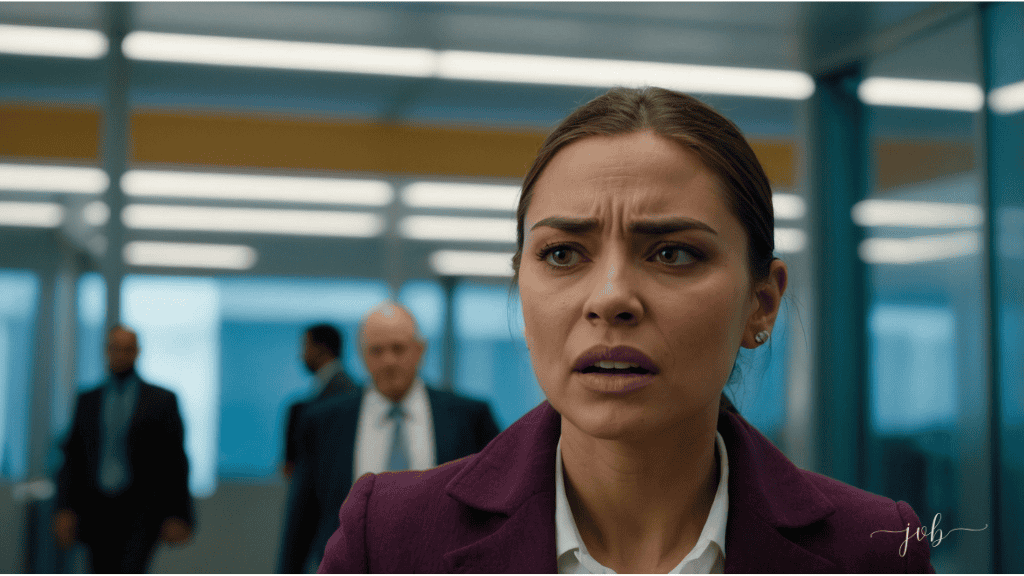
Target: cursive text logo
935	535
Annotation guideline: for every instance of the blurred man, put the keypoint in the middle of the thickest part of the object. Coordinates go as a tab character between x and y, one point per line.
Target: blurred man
397	423
124	481
321	350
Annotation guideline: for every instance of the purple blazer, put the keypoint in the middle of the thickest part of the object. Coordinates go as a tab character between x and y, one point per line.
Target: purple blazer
494	512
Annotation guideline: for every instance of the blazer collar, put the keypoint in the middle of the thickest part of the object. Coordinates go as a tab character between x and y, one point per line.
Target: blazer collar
514	477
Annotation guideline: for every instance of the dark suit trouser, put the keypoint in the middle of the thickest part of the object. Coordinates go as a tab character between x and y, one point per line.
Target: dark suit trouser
121	538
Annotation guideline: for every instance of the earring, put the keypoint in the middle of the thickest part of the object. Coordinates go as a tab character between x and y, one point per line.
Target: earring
761	337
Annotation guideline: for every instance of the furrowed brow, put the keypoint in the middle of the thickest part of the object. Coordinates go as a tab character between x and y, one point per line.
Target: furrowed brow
570	225
668	226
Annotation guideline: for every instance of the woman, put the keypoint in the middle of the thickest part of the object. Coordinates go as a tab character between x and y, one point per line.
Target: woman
644	262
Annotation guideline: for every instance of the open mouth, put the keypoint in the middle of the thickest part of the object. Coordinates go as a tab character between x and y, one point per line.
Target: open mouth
608	367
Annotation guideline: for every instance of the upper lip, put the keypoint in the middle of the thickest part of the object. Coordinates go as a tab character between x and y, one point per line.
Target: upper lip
629	354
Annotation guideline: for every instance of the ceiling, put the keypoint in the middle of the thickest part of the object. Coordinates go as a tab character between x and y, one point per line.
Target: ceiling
815	37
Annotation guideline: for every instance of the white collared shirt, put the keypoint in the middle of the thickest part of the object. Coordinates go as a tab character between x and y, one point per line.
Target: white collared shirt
707	556
375	431
324	374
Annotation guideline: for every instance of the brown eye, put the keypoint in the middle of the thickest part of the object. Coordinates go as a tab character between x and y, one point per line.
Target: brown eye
563	257
674	256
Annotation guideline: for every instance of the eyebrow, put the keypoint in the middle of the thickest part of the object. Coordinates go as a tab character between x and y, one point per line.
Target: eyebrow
642	227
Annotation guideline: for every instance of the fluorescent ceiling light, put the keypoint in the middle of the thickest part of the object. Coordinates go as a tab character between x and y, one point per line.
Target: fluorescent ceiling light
910	93
533	69
789	240
31	214
252	220
788	206
467	263
462	65
913	214
1008	99
461	196
222	51
187	255
59	42
36	178
457	229
919	249
167	184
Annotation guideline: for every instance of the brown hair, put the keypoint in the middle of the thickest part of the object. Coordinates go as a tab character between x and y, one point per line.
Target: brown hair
688	121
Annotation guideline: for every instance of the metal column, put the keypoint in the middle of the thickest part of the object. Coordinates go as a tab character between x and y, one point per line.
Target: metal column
838	176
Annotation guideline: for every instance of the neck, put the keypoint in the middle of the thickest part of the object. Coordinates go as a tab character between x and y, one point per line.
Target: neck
640	506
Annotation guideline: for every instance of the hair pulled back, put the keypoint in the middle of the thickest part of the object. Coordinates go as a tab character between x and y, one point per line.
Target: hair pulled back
712	137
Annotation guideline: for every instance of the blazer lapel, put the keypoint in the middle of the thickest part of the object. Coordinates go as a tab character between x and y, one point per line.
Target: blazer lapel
512	484
444	427
767	493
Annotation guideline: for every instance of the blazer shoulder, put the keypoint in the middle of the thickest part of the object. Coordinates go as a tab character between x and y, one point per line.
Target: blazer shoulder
878	534
407	517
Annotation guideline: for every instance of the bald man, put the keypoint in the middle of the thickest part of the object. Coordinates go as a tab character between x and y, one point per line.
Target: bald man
396	423
123	485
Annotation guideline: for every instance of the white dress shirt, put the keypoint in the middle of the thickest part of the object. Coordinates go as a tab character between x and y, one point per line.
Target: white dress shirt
375	431
707	556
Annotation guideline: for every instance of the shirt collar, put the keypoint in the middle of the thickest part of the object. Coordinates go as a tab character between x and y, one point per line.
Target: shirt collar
382	403
567	536
326	372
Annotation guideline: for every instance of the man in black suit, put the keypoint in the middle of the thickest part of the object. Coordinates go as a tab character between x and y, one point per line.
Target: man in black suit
124	481
321	350
397	423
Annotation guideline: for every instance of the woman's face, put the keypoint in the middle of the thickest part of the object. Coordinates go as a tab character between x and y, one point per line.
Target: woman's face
631	256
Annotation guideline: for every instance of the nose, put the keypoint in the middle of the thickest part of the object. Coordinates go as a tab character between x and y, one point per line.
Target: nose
614	298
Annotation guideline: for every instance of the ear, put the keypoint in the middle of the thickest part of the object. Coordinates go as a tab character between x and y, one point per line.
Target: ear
768	294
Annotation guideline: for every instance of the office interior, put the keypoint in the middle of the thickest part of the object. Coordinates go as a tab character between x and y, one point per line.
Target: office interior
221	195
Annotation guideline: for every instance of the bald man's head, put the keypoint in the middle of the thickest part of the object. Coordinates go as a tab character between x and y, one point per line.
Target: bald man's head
391	349
122	350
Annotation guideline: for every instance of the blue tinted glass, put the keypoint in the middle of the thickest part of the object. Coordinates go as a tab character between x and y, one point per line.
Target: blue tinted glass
178	323
491	358
18	307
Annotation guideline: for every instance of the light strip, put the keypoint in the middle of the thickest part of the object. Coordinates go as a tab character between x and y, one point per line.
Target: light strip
463	65
533	69
187	255
59	42
31	214
913	214
1008	99
253	220
288	55
789	240
919	249
167	184
788	206
461	196
910	93
468	263
36	178
457	229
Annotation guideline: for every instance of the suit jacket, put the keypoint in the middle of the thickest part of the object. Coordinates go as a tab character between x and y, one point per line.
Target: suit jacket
338	384
156	459
494	512
323	472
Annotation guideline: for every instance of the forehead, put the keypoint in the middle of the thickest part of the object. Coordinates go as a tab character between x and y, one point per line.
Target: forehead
388	326
642	173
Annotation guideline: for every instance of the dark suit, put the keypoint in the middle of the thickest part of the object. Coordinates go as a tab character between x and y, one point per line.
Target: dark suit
323	473
338	385
494	512
121	531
